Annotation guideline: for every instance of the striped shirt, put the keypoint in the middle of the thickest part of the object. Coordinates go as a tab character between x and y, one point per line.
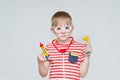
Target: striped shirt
60	66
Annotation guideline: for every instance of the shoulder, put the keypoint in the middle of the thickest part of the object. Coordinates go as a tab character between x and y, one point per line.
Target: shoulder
78	44
49	46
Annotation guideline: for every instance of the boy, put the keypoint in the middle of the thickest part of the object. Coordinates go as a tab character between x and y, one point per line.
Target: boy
67	58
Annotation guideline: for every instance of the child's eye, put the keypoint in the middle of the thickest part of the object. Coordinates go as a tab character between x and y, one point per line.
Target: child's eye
67	28
58	29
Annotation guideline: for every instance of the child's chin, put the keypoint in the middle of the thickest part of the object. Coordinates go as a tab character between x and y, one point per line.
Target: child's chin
63	39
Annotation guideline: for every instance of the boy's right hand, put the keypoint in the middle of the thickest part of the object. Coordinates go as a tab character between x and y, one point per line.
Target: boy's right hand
41	58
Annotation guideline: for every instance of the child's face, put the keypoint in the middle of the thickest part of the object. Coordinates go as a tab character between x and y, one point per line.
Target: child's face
62	30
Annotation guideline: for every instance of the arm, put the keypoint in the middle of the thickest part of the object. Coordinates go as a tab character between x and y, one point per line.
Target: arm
43	66
84	66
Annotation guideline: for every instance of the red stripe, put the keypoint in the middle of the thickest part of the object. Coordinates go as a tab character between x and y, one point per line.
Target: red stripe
66	77
74	69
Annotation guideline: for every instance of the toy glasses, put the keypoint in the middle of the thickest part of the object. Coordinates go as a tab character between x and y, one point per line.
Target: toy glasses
59	29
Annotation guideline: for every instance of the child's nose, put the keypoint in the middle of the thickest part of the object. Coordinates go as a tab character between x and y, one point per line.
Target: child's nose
63	31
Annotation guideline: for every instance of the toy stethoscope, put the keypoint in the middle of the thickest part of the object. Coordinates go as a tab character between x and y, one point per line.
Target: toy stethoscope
62	50
71	58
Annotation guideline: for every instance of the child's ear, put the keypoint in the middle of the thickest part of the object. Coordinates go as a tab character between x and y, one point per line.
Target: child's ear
72	28
52	29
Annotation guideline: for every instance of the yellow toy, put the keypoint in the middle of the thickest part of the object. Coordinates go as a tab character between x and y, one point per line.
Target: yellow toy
87	41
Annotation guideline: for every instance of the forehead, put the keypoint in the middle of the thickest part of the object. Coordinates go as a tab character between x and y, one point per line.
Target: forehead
62	21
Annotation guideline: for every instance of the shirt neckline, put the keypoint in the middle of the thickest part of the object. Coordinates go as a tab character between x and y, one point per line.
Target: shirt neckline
54	42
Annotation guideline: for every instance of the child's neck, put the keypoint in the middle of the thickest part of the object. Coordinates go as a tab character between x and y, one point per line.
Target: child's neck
67	41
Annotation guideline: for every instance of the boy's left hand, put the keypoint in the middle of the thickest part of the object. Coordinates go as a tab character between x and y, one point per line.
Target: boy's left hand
88	50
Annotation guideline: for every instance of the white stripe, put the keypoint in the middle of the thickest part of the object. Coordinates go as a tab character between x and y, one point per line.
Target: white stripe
57	70
54	54
72	71
74	50
65	76
72	76
65	66
54	73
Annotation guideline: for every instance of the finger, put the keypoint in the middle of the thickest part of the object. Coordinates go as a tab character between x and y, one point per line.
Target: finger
89	47
43	56
40	58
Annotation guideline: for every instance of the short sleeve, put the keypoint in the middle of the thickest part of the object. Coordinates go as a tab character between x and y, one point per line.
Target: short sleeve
82	53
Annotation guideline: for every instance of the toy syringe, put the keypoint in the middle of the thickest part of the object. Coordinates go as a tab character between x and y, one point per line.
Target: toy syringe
44	51
87	41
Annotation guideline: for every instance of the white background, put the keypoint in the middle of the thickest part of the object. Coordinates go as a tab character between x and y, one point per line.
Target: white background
24	23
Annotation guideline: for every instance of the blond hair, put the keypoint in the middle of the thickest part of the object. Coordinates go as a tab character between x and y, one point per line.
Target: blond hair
61	15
